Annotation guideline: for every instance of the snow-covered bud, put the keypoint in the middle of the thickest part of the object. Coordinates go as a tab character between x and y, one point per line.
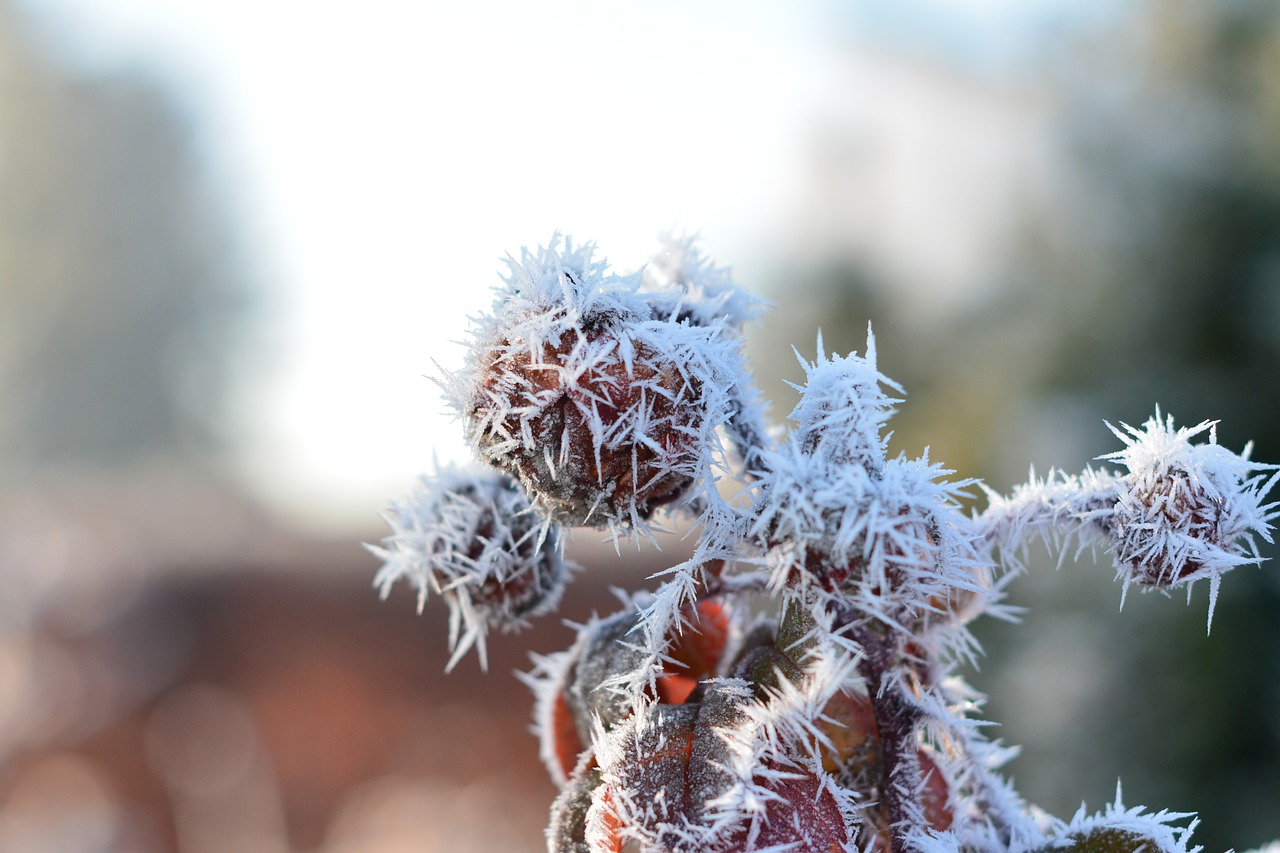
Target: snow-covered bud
472	538
895	546
575	388
1185	511
843	410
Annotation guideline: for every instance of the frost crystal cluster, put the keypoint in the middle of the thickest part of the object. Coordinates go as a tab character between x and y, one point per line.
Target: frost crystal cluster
792	685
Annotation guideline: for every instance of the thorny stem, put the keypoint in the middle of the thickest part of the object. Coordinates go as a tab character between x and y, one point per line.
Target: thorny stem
896	721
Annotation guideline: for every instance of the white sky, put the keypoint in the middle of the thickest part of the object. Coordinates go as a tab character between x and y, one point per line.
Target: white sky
384	155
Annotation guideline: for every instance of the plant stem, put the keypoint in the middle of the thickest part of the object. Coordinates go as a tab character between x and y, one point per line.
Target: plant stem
896	721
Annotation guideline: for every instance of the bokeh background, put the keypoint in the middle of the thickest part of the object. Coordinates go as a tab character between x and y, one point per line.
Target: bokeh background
236	240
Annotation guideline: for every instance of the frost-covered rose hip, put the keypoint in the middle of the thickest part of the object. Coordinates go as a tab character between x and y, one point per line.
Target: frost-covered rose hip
1184	511
579	387
471	538
596	422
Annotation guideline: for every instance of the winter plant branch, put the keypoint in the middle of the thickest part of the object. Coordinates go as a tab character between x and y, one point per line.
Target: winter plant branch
792	685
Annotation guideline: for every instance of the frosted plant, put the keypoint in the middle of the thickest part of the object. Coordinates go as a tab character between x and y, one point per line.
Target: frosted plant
471	537
791	686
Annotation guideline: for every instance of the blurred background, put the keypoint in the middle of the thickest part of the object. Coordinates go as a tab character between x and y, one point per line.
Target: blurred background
236	240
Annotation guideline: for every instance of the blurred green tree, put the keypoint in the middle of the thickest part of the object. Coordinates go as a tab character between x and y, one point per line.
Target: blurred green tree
120	283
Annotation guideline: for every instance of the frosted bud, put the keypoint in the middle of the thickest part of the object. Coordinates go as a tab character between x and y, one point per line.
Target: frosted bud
472	538
895	545
576	390
843	410
1185	511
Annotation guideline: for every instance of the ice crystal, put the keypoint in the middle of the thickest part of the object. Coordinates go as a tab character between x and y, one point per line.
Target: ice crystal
792	684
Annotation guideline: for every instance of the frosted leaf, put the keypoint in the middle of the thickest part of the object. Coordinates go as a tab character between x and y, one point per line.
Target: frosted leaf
1130	830
472	538
668	774
560	742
